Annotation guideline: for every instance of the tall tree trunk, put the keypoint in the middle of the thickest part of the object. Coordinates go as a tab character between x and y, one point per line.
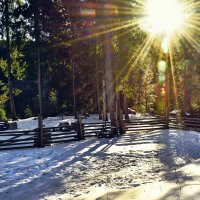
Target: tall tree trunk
119	113
98	99
126	107
99	107
109	77
39	76
97	85
10	88
187	82
167	90
40	117
74	90
187	88
140	90
118	106
146	99
185	93
104	100
190	88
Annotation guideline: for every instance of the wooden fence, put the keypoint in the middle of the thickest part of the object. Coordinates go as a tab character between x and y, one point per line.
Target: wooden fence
185	123
17	139
51	135
3	126
31	138
146	124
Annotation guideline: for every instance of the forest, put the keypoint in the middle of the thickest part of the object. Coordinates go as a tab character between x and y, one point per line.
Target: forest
99	99
60	57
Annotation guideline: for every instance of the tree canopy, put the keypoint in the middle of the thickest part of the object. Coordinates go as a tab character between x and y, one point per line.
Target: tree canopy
74	37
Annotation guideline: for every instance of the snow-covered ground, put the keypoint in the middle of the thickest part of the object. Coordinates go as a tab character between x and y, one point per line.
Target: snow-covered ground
32	123
126	167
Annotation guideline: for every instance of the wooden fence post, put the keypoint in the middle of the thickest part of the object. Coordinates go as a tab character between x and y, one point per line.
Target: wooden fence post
121	125
80	128
40	132
47	140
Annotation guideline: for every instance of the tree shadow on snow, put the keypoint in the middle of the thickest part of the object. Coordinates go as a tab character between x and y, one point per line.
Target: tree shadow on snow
46	170
41	177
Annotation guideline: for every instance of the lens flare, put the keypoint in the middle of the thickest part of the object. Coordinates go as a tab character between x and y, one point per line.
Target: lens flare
88	12
162	66
165	45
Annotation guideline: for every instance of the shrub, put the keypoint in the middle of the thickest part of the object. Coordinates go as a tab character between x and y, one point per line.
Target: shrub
28	112
2	115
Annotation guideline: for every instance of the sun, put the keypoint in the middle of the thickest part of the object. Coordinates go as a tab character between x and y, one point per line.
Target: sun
163	16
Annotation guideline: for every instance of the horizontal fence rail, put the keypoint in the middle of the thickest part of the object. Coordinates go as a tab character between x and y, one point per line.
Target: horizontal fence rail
92	129
185	123
52	135
3	126
17	139
78	131
146	124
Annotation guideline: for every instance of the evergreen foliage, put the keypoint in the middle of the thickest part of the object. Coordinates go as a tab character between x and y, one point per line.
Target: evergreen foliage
66	31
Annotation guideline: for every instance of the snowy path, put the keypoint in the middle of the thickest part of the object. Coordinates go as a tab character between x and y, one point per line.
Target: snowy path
86	169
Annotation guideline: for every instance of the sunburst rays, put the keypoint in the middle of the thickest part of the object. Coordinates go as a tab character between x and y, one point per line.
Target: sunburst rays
125	17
